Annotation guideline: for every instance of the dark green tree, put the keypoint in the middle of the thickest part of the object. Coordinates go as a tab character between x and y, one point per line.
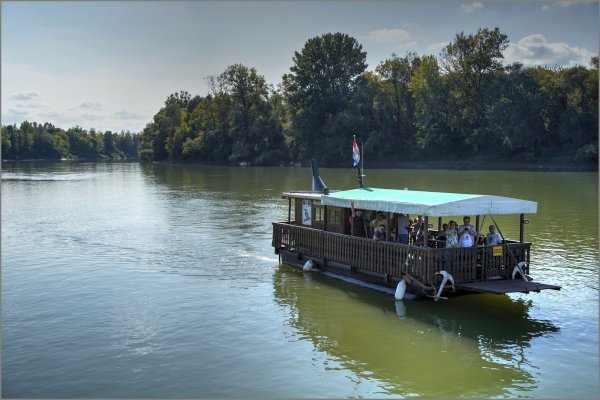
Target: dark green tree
471	63
320	84
249	98
430	93
395	74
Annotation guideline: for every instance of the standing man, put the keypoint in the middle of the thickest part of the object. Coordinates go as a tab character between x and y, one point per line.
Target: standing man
403	224
493	238
467	233
358	222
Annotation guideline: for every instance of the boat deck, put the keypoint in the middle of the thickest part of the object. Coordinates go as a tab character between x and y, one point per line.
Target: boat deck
505	286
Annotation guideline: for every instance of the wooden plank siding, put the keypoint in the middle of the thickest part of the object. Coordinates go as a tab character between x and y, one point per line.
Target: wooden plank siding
465	264
502	266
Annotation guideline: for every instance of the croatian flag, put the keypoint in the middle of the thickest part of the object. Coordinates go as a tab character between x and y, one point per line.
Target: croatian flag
355	153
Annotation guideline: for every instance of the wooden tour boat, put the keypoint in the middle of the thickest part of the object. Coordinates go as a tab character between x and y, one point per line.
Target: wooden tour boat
318	233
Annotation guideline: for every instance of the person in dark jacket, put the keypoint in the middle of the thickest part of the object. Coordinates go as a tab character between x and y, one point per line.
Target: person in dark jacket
358	223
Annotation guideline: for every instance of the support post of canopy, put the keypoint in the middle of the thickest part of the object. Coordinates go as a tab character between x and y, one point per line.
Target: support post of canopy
388	228
325	218
426	233
477	223
521	228
439	224
289	210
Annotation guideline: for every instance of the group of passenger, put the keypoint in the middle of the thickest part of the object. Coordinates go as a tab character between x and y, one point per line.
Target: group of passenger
450	236
466	235
363	226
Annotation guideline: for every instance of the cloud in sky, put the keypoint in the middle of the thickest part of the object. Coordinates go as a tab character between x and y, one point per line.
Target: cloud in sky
92	117
24	96
18	113
436	48
90	105
30	105
51	114
569	3
143	52
123	114
395	35
536	50
474	6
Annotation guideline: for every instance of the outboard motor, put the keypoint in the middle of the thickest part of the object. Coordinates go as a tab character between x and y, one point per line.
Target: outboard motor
317	183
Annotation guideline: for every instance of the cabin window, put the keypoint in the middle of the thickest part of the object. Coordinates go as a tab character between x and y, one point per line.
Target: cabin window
335	216
319	213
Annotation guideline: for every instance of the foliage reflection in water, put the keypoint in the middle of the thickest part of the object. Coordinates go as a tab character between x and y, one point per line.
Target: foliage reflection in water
460	347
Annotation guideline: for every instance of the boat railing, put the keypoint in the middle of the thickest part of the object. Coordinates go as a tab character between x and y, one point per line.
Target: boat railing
499	261
388	258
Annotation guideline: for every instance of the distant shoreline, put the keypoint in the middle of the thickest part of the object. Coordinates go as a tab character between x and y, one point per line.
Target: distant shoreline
486	165
466	165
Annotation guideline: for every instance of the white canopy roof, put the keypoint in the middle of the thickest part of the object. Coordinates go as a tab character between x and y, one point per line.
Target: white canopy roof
428	203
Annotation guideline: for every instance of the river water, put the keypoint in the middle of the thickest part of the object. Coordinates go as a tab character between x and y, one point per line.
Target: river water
145	280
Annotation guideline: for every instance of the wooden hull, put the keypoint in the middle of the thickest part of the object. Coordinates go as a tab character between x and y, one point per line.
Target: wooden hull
414	287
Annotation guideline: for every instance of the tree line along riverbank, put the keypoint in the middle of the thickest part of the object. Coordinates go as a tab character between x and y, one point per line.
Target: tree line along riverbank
464	108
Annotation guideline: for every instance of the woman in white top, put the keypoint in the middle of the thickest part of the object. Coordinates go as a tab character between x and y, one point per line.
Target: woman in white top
451	235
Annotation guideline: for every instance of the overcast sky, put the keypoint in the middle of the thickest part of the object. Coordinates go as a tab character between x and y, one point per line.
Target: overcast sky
111	65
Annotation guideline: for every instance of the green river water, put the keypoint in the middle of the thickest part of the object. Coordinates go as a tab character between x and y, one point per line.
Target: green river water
150	280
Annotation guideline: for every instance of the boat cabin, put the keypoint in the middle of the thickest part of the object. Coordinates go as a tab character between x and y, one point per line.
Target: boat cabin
319	229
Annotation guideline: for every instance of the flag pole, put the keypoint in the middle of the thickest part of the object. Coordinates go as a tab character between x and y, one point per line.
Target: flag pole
358	168
362	162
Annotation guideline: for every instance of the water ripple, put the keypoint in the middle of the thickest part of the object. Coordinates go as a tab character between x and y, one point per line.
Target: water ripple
135	280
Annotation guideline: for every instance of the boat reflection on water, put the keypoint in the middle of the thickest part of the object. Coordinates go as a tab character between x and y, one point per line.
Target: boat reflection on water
474	345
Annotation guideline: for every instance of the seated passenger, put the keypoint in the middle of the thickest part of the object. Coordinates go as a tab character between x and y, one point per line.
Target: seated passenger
380	233
403	224
451	236
379	220
493	238
467	233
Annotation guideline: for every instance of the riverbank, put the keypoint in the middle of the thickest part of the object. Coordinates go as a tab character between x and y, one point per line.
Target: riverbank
101	158
485	165
473	164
